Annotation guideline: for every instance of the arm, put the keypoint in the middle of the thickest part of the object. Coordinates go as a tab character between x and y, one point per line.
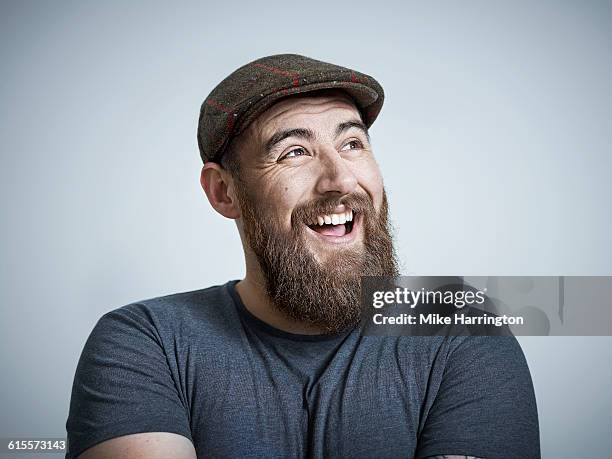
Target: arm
453	456
127	401
484	405
149	445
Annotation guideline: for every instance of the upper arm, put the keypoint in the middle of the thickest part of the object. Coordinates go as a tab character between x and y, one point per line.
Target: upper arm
149	445
124	386
452	456
485	404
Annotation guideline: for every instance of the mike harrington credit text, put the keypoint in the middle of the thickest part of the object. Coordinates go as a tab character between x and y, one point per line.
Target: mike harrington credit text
459	299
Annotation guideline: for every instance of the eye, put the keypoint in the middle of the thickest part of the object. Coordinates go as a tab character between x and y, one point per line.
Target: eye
294	153
352	145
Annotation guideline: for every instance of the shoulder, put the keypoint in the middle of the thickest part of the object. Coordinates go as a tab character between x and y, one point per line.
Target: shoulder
486	374
167	320
452	367
463	351
486	351
481	401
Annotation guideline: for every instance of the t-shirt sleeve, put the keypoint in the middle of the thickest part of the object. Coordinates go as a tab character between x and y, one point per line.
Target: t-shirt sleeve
485	405
123	383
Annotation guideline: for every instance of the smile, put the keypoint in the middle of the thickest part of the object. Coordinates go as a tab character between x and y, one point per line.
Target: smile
338	227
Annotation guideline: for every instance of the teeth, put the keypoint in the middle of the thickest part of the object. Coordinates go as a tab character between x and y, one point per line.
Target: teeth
334	219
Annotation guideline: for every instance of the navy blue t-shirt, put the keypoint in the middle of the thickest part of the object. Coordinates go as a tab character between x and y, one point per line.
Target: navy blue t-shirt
200	365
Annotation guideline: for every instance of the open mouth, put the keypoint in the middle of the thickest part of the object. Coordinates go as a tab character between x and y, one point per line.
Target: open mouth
337	224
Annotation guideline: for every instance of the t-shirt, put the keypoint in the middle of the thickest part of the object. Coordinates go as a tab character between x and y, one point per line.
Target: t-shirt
199	364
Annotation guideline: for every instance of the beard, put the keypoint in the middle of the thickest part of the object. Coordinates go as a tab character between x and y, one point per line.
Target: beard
325	294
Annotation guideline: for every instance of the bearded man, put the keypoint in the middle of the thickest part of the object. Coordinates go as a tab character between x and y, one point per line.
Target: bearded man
276	364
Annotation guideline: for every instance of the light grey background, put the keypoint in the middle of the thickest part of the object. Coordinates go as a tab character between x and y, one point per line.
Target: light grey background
495	144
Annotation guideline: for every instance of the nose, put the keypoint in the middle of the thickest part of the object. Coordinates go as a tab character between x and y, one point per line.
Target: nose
336	174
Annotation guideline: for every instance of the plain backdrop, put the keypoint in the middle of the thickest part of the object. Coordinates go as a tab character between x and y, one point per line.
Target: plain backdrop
494	142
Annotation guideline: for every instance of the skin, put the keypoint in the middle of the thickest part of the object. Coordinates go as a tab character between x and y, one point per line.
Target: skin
326	165
148	445
295	171
453	456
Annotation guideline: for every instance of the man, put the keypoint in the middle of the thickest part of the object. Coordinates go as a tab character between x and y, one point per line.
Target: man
275	365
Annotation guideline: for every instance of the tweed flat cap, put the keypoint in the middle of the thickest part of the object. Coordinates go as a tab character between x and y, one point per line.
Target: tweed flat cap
250	90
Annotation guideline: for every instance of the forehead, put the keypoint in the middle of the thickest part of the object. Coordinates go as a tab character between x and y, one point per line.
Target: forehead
304	108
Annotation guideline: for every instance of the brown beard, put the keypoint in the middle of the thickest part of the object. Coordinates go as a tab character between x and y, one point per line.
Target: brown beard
328	295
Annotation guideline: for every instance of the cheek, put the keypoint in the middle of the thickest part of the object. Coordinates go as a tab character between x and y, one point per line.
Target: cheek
281	198
273	193
370	179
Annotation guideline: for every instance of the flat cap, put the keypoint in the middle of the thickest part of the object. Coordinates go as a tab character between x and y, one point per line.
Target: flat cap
251	89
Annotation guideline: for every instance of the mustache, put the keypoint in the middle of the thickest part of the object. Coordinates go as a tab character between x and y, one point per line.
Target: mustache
307	212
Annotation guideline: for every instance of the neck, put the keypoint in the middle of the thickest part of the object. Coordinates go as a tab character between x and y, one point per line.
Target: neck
252	292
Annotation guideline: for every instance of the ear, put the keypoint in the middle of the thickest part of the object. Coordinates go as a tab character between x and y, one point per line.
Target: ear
219	188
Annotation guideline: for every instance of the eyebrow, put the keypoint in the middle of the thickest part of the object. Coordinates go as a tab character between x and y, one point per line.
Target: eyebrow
307	134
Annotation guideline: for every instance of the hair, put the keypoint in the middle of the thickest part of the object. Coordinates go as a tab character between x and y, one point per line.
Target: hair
230	158
326	294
